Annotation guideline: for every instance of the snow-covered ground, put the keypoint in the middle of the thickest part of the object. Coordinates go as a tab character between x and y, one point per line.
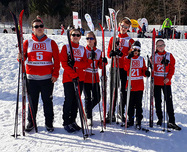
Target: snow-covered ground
114	138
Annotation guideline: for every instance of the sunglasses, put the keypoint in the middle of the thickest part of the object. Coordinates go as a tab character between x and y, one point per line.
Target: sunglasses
162	45
89	38
37	26
78	35
125	27
136	50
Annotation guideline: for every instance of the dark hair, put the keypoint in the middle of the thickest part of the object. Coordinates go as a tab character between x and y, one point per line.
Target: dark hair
160	40
92	33
126	20
36	20
75	30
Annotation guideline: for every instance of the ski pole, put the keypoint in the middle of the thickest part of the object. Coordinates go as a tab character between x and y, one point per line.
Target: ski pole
97	91
128	94
165	96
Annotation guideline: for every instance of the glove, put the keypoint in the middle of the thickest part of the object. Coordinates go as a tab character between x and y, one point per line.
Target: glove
92	55
130	55
75	80
119	53
147	73
112	53
104	60
165	61
71	63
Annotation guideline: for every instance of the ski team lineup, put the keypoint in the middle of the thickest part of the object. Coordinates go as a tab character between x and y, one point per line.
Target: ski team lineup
40	61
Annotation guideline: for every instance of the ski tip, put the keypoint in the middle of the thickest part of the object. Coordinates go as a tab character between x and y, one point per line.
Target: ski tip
69	28
22	11
154	32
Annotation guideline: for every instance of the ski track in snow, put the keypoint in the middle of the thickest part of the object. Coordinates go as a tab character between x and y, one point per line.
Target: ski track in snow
114	138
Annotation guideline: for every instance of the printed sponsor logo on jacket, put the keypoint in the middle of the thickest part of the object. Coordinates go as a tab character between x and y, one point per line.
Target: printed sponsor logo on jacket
39	46
159	68
34	46
137	65
78	53
124	42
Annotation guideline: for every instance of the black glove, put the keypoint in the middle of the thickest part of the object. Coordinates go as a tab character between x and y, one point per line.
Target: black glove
112	53
104	60
92	55
147	73
119	53
75	80
130	55
165	61
71	63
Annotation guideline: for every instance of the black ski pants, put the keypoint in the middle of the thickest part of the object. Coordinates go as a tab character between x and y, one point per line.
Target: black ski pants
169	102
92	97
167	32
135	102
70	107
45	87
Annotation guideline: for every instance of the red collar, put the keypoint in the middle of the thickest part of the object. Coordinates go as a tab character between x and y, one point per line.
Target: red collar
89	48
122	35
75	45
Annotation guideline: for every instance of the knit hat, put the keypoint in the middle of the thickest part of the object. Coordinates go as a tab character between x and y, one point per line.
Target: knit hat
136	45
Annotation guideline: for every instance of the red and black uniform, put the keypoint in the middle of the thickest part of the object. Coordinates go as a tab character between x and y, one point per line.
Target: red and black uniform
92	91
42	64
125	45
70	106
137	86
159	84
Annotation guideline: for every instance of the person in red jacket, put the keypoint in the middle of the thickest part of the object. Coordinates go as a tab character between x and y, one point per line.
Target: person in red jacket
139	70
62	29
91	82
185	35
162	81
70	107
125	43
42	69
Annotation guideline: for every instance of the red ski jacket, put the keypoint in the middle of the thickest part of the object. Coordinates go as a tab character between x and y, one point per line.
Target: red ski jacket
81	62
42	56
125	45
97	64
137	73
159	68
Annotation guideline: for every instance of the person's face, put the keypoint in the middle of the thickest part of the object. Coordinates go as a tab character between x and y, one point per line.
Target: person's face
160	46
124	27
75	37
38	28
90	40
136	52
